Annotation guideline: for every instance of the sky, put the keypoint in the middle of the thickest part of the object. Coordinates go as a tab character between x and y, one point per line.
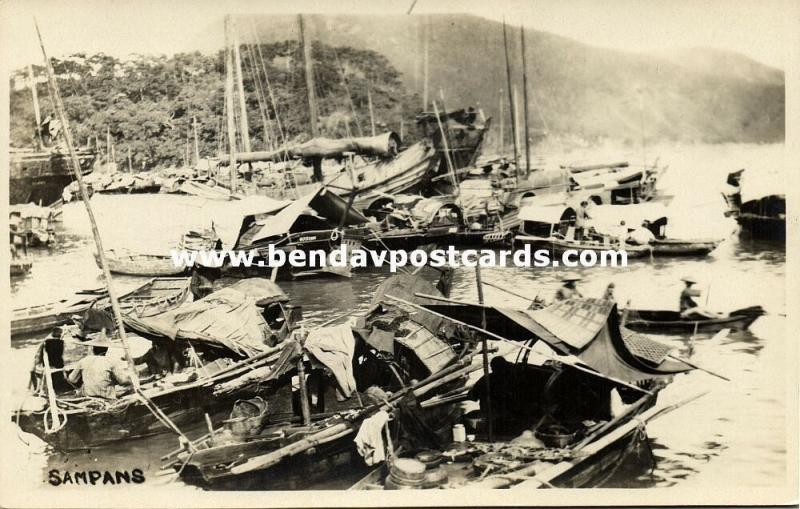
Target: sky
756	28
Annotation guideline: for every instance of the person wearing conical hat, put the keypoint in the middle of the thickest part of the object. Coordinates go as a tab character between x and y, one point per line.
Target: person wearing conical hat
98	373
569	289
689	307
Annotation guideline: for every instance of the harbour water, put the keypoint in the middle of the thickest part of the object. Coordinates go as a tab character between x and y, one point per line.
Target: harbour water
735	432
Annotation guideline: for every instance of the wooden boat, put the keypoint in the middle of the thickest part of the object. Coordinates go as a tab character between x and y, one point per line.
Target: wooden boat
155	296
681	247
666	321
141	264
224	338
20	266
758	204
308	439
553	424
553	228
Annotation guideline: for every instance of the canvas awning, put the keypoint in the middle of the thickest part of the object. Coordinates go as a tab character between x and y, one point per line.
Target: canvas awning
546	214
229	318
585	328
607	218
381	145
229	216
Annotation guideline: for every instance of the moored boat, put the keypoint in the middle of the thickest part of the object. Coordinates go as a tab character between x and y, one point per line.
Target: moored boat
133	264
155	296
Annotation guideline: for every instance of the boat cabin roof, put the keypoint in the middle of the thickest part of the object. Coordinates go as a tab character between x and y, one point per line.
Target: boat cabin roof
546	214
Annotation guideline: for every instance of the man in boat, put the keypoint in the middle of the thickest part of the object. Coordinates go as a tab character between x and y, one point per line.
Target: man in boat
569	288
642	236
609	293
581	217
690	309
99	372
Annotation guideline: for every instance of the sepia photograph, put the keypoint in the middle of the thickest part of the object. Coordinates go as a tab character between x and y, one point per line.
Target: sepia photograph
399	253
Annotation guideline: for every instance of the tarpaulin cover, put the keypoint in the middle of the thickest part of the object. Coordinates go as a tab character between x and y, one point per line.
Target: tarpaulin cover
548	214
334	348
586	328
606	218
229	318
229	216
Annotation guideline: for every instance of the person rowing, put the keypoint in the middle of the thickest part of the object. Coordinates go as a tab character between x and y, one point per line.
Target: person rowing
569	289
690	309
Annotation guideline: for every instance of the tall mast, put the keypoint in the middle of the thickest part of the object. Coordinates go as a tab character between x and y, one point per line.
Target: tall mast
310	85
243	124
76	168
502	122
425	50
196	144
36	111
108	143
517	130
525	102
229	105
371	112
510	97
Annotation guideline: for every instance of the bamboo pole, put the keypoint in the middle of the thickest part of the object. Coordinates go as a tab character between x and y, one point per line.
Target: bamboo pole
196	143
229	106
425	50
310	85
485	354
450	167
76	168
371	112
244	126
502	122
525	103
510	96
35	97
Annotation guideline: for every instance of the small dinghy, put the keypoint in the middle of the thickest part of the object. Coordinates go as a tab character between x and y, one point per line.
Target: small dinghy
667	321
141	264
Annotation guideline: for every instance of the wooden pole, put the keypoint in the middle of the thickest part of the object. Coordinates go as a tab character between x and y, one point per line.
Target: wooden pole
517	130
35	97
485	353
502	123
313	114
525	103
130	161
76	168
244	126
510	97
196	142
108	143
450	167
229	106
425	51
304	406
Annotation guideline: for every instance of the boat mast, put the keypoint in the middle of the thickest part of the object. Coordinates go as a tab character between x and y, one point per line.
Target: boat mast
310	83
76	168
36	111
244	127
525	103
510	97
196	144
502	123
108	143
229	105
371	112
425	51
517	130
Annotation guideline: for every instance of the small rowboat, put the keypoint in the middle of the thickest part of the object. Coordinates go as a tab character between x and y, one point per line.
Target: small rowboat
665	321
559	246
141	264
154	297
680	247
20	266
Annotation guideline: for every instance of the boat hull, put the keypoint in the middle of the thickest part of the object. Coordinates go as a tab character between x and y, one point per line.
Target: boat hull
40	177
667	247
559	247
670	322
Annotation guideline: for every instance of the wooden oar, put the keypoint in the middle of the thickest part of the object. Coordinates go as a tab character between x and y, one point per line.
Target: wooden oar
718	336
515	294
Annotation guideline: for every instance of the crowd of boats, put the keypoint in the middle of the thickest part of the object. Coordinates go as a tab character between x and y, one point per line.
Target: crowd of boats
421	390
